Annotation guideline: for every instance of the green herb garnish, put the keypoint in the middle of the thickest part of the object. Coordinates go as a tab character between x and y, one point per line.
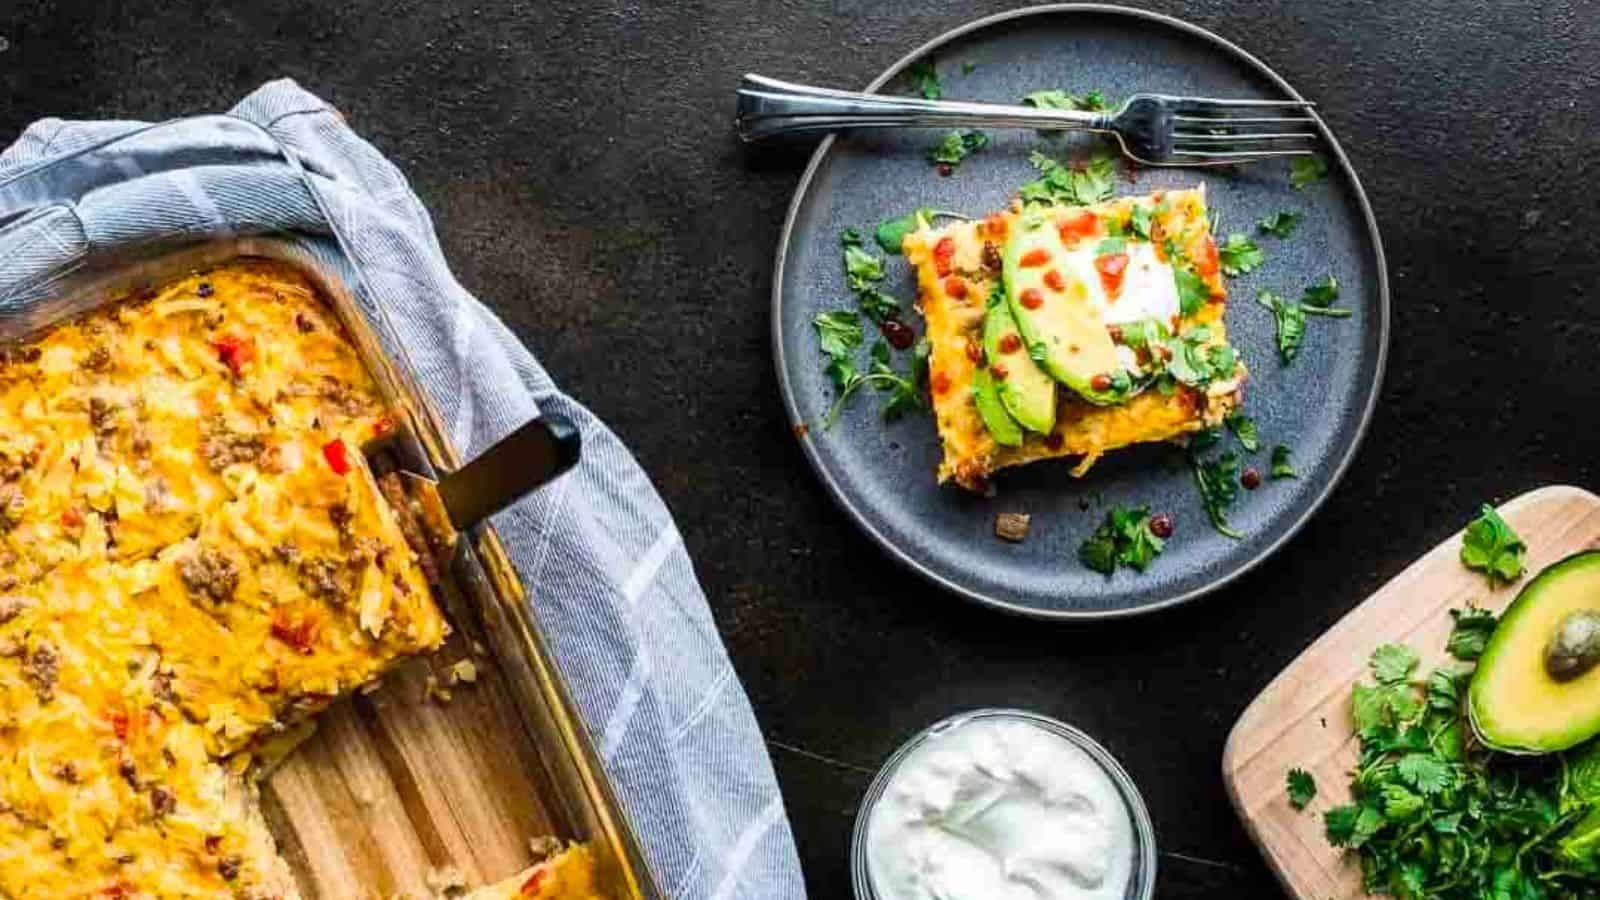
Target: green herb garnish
1320	297
1471	633
902	392
1124	537
861	268
1087	185
957	146
891	233
1093	101
1244	428
1302	788
1139	221
1218	481
1291	320
1280	224
1192	291
1438	817
925	78
1239	255
838	332
1304	170
1491	547
1281	465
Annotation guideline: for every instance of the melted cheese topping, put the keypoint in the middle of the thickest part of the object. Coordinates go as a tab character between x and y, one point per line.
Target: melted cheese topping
184	573
1147	291
570	875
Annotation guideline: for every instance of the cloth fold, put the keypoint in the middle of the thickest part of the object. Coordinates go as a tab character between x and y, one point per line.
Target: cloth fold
611	583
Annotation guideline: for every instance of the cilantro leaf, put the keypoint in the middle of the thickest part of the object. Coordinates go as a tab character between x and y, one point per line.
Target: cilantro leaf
1280	224
850	237
1244	428
903	395
957	146
1471	632
1340	824
878	306
1304	170
1139	221
1083	185
1240	255
861	268
1093	101
1218	481
1491	547
1425	772
925	78
1192	291
838	332
891	233
1290	318
1281	466
1392	663
1323	294
1302	788
1444	689
1399	803
1125	537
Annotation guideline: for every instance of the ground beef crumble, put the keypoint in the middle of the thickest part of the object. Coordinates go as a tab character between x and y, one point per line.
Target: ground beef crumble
208	573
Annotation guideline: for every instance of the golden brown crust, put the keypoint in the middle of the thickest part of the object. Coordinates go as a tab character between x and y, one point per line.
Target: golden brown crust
1082	429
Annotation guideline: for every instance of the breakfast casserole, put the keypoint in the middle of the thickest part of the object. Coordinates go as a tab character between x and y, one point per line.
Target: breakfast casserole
568	875
194	558
1061	331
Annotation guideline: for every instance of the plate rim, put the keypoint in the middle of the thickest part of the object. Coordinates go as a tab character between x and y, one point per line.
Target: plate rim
808	447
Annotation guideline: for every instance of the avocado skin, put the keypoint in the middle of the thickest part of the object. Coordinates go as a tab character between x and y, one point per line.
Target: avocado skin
1500	729
1029	322
1001	426
1028	393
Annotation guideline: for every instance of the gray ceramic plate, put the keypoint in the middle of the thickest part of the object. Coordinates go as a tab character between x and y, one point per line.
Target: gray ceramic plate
883	474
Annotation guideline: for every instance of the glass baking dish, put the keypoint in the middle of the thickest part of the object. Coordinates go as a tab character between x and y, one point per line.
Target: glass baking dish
395	791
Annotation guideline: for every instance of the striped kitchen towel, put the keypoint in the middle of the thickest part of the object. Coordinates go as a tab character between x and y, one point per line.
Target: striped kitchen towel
616	593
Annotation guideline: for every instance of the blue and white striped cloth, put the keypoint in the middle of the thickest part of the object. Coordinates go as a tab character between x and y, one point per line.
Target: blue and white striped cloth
612	584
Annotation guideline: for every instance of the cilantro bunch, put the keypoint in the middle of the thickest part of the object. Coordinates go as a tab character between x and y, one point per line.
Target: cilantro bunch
1435	815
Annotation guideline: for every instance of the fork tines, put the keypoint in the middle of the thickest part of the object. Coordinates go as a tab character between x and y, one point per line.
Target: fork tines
1212	130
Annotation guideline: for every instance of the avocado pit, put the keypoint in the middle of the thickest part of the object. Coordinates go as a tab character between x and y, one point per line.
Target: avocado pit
1575	647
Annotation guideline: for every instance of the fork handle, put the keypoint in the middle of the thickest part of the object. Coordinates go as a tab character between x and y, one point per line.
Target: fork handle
768	107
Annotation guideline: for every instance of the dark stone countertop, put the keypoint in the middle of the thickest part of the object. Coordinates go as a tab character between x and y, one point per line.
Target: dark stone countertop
578	160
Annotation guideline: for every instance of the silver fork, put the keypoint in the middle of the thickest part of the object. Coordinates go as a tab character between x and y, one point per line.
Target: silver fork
1154	129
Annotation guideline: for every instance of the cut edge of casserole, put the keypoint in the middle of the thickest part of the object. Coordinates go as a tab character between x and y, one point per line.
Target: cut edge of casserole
959	266
194	559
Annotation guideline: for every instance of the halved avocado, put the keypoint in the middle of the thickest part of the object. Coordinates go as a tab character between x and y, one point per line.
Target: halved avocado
1001	426
1028	393
1065	332
1522	700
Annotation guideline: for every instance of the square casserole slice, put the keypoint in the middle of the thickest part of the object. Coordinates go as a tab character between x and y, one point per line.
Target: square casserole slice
959	266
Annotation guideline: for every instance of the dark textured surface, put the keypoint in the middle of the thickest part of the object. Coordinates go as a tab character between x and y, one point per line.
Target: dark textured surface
577	157
884	472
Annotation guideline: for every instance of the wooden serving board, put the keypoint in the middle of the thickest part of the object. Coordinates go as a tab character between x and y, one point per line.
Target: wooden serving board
1302	719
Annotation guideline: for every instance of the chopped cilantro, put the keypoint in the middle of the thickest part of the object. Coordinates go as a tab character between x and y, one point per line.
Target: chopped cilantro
1094	101
1302	788
903	393
1139	221
1281	465
1244	428
1291	321
850	237
861	268
1393	663
838	332
1124	537
1218	481
1320	297
1111	246
891	233
879	306
1195	362
1471	632
1280	224
1304	170
1240	255
1192	291
925	78
1084	185
1491	547
967	67
1436	817
957	146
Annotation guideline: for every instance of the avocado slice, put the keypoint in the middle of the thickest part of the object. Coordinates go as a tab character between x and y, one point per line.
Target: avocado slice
1065	333
1028	393
1528	695
1001	426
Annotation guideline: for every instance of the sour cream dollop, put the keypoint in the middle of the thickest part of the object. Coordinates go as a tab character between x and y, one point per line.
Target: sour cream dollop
999	809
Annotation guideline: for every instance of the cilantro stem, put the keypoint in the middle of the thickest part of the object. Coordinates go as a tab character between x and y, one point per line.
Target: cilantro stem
1331	312
850	389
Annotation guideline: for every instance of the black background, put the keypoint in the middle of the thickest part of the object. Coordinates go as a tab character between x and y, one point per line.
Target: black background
578	160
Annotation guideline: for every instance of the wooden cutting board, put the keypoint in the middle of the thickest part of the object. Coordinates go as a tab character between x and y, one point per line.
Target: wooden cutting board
1302	719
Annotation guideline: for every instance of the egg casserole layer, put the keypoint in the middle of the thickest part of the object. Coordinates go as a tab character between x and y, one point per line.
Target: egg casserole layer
569	875
194	557
959	267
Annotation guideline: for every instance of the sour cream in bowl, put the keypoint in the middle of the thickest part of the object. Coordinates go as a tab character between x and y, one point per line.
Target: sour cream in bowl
1003	805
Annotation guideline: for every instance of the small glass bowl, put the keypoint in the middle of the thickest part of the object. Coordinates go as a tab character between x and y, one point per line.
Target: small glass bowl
1142	868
